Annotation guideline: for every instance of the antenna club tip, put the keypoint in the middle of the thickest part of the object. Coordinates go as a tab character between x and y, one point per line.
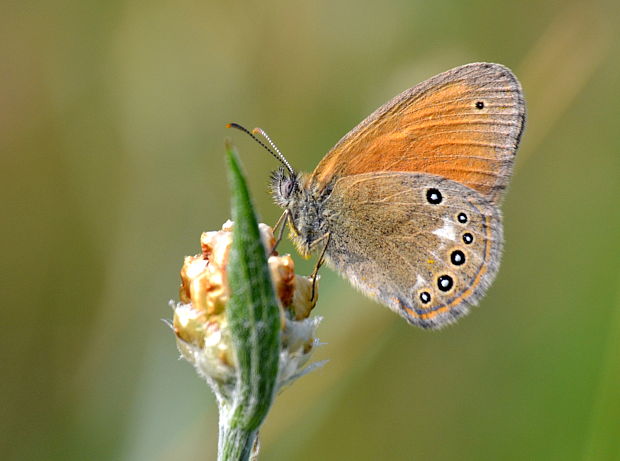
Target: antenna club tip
229	125
257	131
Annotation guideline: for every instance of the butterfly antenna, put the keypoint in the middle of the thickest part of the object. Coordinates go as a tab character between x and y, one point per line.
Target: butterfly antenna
272	144
278	156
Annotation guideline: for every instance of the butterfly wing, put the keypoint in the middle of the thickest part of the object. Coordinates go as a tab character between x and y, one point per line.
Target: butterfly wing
464	124
425	246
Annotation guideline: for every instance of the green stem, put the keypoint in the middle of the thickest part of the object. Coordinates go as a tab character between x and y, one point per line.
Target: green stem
235	443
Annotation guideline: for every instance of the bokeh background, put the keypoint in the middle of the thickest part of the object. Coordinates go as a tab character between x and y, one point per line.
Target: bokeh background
112	122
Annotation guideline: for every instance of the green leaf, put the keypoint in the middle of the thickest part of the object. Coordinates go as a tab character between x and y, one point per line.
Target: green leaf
253	313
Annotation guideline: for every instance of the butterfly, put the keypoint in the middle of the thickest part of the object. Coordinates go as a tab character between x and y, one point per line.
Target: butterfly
406	206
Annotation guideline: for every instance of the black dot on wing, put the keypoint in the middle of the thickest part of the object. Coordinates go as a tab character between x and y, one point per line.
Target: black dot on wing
462	218
433	196
425	297
468	238
457	257
479	105
445	283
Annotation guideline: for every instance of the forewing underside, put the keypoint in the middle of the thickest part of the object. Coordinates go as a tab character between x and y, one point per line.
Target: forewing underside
464	125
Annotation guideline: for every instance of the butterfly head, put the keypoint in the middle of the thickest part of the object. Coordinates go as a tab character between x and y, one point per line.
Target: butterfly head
284	186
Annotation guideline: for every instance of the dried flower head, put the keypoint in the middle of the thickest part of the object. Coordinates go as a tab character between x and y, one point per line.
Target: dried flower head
200	321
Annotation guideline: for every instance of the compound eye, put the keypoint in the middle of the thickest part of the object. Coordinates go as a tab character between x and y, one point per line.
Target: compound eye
288	188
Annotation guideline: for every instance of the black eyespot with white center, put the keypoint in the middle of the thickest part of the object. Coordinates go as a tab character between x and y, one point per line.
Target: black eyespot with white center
468	238
457	257
425	297
462	218
479	105
445	283
434	196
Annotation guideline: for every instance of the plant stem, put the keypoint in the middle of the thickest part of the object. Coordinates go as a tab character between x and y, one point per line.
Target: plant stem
235	443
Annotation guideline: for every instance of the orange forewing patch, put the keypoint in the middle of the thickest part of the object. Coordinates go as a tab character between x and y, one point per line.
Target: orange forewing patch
438	129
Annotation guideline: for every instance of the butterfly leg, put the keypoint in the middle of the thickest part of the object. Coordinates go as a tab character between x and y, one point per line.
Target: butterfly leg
319	263
280	222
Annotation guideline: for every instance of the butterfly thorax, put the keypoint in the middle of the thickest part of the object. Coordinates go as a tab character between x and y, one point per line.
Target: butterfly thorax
305	205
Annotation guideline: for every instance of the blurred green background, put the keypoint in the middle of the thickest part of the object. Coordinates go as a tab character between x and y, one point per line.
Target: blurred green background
112	122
